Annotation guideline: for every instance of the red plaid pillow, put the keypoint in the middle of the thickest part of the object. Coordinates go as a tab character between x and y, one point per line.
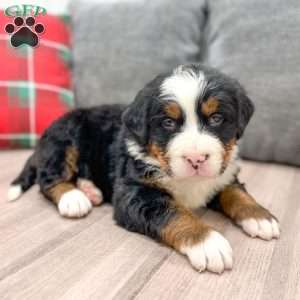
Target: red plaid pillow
34	82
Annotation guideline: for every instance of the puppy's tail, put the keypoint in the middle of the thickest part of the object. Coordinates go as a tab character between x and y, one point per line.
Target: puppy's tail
24	181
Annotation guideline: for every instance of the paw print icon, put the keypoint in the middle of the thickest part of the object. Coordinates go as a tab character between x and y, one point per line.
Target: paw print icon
24	31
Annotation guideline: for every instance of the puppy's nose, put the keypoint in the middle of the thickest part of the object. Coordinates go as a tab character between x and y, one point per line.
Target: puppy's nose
195	159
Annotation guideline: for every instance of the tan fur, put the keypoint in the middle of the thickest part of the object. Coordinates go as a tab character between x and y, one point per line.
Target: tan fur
228	148
239	205
173	110
66	184
158	153
210	106
58	190
184	229
71	159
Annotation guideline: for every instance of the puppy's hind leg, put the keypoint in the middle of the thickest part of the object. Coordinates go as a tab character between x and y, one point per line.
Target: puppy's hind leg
58	183
24	181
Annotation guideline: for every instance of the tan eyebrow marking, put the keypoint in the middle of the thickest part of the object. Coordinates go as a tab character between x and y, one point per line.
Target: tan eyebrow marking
173	110
210	106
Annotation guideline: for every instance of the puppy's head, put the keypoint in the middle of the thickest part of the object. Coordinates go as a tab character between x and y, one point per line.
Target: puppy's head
187	122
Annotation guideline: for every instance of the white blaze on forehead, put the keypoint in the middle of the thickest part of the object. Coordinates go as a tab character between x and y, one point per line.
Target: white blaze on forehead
185	87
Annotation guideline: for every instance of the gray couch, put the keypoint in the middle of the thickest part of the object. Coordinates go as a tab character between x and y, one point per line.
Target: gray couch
120	45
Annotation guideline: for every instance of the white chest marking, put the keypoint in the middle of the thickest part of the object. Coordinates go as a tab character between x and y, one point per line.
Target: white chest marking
196	192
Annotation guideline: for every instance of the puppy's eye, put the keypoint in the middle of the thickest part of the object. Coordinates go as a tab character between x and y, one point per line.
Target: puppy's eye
215	120
169	124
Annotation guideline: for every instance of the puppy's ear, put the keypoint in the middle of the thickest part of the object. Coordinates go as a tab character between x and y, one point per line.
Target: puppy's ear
245	112
135	118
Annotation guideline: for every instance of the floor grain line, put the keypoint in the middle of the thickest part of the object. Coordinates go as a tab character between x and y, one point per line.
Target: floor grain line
155	268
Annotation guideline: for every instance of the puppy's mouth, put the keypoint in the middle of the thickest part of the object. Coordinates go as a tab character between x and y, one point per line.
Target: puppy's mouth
201	172
192	166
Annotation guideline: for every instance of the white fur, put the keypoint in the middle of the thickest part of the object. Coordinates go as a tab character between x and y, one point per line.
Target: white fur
191	140
194	192
213	254
74	204
262	228
136	152
14	192
184	87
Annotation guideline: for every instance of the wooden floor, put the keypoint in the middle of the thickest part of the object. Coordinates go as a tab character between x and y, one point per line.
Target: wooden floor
43	256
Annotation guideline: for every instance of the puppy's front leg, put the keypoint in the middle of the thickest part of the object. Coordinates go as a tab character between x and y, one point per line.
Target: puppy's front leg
153	213
255	220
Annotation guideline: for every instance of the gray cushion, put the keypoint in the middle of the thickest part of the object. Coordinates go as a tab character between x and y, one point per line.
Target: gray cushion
120	45
258	42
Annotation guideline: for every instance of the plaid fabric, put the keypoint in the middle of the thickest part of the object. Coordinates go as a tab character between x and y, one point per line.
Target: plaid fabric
34	82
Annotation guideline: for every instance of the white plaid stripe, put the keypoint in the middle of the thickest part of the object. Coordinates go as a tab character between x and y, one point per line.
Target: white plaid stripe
40	86
25	139
5	136
31	89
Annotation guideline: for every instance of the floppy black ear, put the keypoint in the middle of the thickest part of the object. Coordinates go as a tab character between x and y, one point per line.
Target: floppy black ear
245	112
135	118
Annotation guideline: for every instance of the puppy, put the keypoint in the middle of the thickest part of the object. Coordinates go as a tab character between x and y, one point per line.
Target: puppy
172	150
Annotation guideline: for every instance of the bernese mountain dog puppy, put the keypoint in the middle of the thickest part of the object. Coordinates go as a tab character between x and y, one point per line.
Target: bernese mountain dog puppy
172	150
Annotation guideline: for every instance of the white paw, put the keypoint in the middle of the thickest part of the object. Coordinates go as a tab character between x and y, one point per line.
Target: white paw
74	204
262	228
14	192
213	254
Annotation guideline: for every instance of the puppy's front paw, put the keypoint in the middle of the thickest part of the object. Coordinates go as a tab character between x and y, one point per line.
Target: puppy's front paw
74	204
263	228
214	253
